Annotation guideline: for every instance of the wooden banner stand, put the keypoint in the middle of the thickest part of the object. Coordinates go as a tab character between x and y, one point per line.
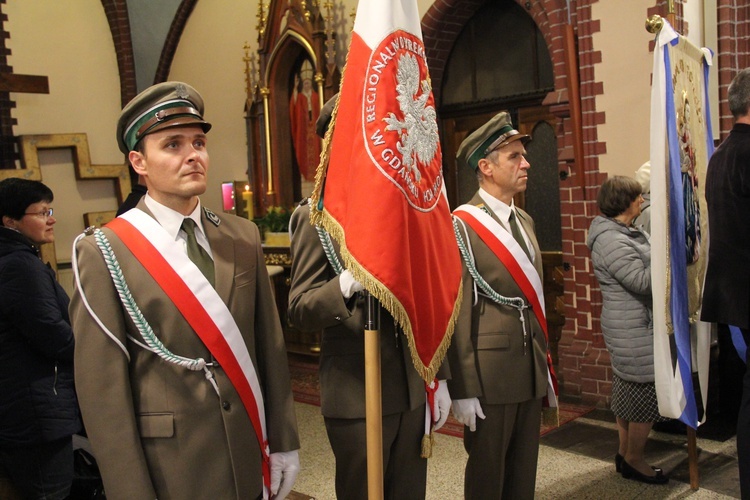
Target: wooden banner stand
373	401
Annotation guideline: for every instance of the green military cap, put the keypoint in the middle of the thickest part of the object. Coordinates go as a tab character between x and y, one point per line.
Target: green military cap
164	105
496	133
324	119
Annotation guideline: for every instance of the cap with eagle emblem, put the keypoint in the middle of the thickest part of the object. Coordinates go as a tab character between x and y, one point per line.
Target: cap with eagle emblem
496	133
164	105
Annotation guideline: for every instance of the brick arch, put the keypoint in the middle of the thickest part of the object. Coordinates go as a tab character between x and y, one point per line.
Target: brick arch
583	362
119	25
173	39
445	19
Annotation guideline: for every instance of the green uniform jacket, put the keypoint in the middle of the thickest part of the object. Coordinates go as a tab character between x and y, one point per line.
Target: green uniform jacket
160	430
488	358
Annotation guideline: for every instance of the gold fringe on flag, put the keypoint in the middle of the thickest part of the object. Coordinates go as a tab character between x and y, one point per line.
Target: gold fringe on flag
375	287
428	441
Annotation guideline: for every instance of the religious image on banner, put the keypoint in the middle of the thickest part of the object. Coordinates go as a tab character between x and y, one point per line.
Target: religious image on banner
690	194
304	109
681	145
379	190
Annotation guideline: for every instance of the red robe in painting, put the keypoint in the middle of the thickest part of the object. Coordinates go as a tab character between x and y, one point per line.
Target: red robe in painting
304	112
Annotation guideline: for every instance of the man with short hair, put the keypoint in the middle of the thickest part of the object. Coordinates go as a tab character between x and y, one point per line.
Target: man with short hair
181	369
498	356
726	292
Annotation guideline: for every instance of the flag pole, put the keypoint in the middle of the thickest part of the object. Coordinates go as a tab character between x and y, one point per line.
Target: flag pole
654	24
373	400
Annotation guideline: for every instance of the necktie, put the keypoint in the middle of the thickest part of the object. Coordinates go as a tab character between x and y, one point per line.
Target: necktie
516	231
197	253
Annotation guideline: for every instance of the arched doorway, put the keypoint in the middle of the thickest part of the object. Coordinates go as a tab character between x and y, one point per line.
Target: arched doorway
500	61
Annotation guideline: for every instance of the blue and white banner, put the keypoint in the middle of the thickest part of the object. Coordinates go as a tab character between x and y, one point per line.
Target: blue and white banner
681	144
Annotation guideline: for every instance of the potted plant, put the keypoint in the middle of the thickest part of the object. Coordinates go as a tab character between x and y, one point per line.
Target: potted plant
275	226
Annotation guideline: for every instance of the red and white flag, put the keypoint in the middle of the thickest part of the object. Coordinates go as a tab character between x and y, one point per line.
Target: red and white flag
379	188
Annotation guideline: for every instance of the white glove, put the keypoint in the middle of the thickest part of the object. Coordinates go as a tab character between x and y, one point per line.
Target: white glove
466	411
284	470
442	404
349	286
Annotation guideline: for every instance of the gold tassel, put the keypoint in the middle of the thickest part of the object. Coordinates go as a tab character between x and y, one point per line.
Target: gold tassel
428	440
551	416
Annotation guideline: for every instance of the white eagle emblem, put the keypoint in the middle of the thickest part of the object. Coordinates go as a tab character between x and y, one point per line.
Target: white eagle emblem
418	131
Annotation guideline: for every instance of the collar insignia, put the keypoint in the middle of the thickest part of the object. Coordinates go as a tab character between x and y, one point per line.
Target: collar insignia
212	217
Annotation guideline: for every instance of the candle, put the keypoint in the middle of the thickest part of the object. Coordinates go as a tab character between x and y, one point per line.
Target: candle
247	197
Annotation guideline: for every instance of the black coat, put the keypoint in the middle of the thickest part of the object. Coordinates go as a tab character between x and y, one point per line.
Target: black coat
726	293
37	395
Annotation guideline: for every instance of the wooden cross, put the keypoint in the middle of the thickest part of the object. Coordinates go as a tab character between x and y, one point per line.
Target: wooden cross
30	84
10	82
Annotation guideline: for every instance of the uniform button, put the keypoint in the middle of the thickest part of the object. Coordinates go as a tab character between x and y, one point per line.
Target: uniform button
226	405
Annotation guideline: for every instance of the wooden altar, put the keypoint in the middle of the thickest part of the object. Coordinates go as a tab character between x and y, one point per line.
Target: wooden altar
295	58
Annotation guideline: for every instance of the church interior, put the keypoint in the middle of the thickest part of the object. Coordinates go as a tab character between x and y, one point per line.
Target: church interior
576	75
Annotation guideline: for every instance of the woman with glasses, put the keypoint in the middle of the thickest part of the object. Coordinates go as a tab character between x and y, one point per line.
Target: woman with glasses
38	407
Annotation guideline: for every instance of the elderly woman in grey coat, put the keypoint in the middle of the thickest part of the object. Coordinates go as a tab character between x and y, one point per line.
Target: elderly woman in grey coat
621	255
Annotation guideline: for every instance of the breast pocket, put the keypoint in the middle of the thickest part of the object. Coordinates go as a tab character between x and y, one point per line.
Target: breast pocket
495	340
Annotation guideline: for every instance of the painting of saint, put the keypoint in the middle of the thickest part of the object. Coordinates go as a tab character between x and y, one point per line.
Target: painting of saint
304	108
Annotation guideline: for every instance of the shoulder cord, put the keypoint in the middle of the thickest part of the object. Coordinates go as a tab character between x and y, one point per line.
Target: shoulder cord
325	240
468	257
153	344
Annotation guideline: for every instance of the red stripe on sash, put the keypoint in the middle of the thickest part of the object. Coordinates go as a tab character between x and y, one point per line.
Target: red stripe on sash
196	315
501	251
510	263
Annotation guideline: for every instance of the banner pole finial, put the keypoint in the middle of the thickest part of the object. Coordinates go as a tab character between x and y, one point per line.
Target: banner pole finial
654	24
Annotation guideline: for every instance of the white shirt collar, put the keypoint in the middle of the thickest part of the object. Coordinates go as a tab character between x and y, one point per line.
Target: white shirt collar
171	220
498	207
503	212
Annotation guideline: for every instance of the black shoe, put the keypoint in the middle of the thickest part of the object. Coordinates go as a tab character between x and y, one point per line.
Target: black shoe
629	472
618	464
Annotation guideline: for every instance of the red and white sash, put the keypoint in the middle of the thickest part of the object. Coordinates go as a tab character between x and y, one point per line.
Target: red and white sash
166	261
502	243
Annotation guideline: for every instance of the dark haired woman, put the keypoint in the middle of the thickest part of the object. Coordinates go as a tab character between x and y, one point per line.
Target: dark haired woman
621	255
38	407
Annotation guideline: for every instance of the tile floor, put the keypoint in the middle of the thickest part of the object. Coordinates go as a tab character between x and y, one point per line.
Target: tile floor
575	462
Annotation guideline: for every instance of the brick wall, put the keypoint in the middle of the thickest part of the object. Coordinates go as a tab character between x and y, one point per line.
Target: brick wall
8	155
733	52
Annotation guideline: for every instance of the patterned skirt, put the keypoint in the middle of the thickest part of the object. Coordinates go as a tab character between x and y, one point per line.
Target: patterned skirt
635	402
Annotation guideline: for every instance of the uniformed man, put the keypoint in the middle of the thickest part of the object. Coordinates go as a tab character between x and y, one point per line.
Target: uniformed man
181	369
325	296
498	356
